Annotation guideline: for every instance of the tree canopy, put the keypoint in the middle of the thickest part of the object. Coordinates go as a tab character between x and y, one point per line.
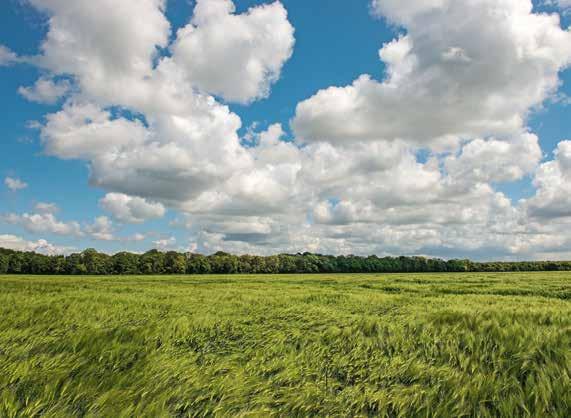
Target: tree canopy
92	262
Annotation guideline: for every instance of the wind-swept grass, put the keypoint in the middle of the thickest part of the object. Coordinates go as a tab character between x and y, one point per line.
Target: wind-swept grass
481	344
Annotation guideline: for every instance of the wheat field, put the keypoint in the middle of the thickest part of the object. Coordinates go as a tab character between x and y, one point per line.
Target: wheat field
394	345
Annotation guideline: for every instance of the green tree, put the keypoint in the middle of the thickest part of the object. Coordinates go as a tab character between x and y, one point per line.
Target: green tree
152	262
95	262
125	263
223	263
272	264
57	264
175	263
197	264
4	261
16	263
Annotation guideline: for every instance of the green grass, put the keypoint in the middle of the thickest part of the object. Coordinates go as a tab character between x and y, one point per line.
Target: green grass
338	345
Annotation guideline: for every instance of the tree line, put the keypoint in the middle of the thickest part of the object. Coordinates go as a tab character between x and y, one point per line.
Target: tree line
92	262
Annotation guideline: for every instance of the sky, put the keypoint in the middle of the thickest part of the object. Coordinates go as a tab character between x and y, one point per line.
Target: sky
434	127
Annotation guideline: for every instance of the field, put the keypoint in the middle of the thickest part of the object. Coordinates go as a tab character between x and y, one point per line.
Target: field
496	344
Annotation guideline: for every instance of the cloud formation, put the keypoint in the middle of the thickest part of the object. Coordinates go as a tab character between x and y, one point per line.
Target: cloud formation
101	229
44	207
449	77
408	162
45	91
7	57
44	223
42	246
255	45
165	243
15	184
553	187
131	209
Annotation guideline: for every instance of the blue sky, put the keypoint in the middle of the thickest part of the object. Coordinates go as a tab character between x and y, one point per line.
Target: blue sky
333	44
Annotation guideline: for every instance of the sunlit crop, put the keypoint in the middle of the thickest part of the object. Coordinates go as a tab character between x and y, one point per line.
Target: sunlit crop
470	344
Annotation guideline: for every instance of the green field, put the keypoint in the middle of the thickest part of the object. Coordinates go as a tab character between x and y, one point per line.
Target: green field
496	344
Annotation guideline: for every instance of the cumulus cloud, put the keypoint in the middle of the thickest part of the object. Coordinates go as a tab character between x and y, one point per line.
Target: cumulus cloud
495	160
44	207
45	91
105	44
254	230
14	242
83	130
165	243
101	229
553	183
446	80
255	44
405	164
185	144
131	209
7	57
342	213
15	184
44	223
138	237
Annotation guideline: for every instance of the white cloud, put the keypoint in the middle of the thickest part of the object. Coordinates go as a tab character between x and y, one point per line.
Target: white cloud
351	179
455	54
342	213
553	183
105	44
44	207
41	246
165	244
137	237
15	184
7	57
254	45
444	80
82	130
101	229
187	144
45	91
44	223
493	160
131	209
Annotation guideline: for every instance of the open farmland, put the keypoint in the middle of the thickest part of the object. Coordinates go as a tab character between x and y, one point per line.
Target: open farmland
470	344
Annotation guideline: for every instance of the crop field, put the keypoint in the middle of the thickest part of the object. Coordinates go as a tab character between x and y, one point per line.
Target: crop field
485	344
